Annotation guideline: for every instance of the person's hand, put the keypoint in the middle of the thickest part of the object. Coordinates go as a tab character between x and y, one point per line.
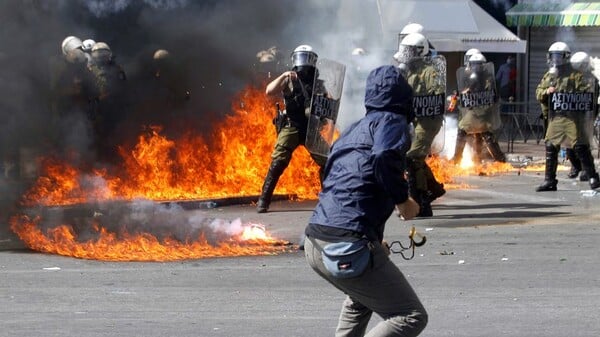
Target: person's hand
550	90
290	75
386	247
408	209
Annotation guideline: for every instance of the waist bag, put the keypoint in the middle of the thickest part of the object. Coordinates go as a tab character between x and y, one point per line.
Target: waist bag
347	259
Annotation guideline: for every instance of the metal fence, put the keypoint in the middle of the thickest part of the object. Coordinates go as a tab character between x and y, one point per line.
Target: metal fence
520	121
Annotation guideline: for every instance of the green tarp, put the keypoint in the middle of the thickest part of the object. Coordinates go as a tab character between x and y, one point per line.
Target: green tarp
554	14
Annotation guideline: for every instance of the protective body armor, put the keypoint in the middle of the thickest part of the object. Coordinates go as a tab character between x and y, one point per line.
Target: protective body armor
296	104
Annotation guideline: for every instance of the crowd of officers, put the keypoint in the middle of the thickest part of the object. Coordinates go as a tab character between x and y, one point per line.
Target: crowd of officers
88	82
425	73
568	96
478	114
91	81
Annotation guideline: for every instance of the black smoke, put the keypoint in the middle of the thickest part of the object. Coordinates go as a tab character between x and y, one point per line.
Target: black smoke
213	43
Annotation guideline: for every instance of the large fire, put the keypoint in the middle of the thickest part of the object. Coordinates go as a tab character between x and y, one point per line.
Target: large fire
157	168
232	162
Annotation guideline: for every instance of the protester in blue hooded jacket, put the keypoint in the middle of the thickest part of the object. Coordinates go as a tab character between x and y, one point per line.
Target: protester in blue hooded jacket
363	183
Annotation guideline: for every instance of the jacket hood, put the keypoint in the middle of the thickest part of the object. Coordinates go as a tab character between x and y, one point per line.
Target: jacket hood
388	90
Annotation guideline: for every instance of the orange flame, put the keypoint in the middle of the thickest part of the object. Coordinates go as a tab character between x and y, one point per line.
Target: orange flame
109	246
233	162
158	168
445	170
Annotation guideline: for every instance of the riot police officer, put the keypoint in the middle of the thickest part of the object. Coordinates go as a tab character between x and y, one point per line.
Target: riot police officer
296	85
478	110
428	106
565	95
109	80
72	90
581	61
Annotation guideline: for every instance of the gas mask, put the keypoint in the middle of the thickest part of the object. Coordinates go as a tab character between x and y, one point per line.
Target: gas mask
556	61
306	74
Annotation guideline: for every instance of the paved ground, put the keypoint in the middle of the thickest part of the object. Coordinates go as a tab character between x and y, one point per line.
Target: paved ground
500	260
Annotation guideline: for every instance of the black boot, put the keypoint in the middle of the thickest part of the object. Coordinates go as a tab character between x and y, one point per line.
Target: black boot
461	141
434	188
587	164
275	171
550	181
493	147
420	197
425	210
575	164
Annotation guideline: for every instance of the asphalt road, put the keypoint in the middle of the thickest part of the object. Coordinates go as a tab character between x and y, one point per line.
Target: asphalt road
500	260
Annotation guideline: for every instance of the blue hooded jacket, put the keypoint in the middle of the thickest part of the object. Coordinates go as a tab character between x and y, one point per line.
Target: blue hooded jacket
364	174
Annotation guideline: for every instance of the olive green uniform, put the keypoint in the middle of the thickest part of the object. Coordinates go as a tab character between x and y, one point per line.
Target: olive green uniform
291	127
480	120
288	139
565	124
423	187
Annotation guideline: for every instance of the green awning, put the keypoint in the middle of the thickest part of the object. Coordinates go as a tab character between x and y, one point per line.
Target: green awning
554	14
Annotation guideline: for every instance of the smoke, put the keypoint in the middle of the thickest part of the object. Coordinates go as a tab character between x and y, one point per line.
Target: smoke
213	44
101	8
139	217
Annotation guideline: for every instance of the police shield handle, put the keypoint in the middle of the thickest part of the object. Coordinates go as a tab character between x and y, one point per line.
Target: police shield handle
408	209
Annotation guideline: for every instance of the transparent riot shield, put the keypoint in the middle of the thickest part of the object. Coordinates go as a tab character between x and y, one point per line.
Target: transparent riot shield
427	77
324	106
478	99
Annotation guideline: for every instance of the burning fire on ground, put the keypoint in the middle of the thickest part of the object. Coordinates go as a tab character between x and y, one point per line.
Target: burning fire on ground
233	162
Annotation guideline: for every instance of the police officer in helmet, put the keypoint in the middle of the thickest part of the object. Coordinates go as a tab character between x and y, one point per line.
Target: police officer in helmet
296	86
478	119
427	85
560	86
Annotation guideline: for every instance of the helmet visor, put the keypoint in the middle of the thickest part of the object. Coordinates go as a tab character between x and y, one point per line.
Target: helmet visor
407	53
556	59
477	67
304	58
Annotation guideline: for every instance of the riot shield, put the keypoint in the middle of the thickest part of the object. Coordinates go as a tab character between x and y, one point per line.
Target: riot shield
324	106
578	100
427	77
478	109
